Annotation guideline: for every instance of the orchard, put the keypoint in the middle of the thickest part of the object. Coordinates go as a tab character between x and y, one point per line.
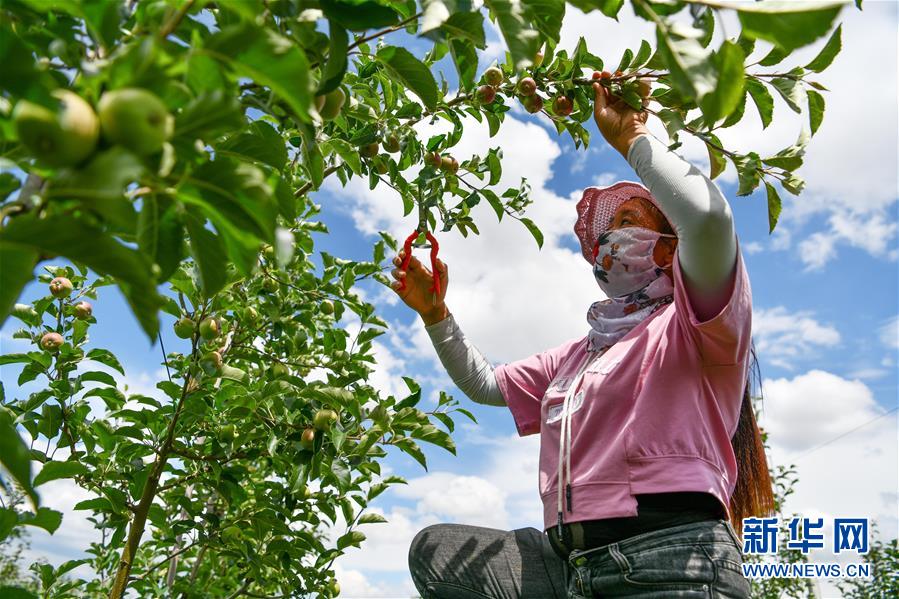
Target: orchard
173	149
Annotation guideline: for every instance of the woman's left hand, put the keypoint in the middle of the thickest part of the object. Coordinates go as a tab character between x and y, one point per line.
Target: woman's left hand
617	121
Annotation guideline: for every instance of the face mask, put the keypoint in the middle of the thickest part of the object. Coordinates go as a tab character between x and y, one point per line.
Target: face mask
623	260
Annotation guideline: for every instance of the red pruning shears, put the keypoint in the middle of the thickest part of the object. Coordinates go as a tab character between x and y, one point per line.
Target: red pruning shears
407	253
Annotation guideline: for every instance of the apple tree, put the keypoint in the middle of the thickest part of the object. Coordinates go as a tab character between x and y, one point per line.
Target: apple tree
173	149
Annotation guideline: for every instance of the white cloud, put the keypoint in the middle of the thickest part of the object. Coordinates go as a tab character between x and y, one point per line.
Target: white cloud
753	247
844	447
889	333
784	337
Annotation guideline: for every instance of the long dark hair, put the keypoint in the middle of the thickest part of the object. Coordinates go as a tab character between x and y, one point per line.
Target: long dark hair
753	494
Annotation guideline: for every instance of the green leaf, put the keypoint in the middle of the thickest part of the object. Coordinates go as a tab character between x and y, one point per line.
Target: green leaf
259	142
160	234
547	15
465	58
466	25
538	235
411	73
828	52
371	518
57	470
209	252
609	8
16	270
815	109
774	56
105	357
347	153
790	90
101	184
14	455
209	115
9	592
45	518
642	56
773	206
789	25
359	15
84	243
762	98
434	13
747	172
730	83
354	538
268	59
716	157
691	67
336	66
520	38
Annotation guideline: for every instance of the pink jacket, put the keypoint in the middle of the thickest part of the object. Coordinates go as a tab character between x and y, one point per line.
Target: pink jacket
654	414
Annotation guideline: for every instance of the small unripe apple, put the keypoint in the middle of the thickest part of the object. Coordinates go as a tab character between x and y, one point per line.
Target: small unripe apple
433	159
83	310
250	314
369	150
61	287
61	138
493	76
538	59
486	94
562	106
227	432
392	144
210	328
135	119
279	370
232	534
596	75
270	285
326	307
307	441
449	164
52	342
334	587
333	103
381	166
324	418
184	327
532	104
211	363
320	102
527	86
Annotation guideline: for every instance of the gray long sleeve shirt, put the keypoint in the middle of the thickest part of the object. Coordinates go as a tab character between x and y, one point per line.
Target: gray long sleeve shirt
707	252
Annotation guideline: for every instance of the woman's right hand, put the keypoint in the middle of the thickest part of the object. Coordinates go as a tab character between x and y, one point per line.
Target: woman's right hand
419	280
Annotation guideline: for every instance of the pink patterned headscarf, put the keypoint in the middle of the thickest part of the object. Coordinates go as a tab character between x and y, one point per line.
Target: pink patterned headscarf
597	207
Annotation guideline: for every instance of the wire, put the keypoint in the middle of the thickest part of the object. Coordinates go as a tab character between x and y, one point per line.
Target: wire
852	430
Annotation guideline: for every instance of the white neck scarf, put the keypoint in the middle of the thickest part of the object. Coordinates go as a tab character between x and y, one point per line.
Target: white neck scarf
611	319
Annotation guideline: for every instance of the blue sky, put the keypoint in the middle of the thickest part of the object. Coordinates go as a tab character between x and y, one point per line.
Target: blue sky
824	295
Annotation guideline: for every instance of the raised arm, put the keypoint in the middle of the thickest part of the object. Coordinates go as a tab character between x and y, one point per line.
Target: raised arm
699	213
695	206
464	363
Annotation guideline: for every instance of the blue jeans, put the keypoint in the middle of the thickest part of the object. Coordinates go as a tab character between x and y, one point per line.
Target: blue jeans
458	561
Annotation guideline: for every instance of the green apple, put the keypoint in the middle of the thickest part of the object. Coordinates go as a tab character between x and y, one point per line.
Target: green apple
369	150
307	441
185	327
135	119
333	104
51	342
211	363
83	310
61	287
279	370
334	587
62	138
324	418
210	328
392	144
493	76
326	307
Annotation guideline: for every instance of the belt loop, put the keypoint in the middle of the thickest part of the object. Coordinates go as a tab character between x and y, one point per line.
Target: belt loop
577	536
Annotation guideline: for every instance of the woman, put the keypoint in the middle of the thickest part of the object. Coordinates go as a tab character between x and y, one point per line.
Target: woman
650	456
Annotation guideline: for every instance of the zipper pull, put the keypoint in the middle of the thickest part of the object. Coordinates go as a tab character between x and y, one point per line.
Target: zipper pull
559	527
568	495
